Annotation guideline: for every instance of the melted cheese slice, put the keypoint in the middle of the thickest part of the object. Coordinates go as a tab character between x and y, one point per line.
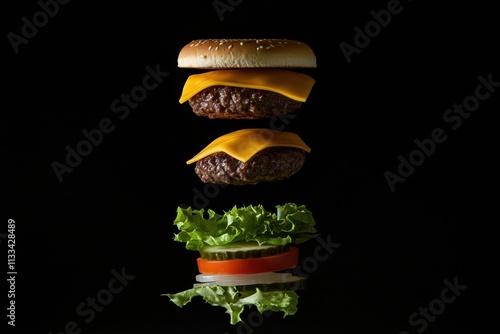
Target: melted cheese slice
243	144
296	86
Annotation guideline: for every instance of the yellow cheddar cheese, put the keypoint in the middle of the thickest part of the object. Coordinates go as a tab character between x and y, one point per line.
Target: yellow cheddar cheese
294	85
243	144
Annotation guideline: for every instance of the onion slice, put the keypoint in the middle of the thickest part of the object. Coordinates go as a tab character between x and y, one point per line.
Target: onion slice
244	279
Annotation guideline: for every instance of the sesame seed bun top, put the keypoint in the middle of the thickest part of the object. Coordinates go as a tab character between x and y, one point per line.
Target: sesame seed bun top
246	53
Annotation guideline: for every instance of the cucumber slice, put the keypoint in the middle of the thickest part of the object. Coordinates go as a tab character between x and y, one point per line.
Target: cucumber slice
241	251
291	282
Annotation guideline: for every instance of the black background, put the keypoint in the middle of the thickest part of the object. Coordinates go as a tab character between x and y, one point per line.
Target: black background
115	210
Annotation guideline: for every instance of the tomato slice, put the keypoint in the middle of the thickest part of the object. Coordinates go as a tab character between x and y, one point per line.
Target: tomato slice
281	261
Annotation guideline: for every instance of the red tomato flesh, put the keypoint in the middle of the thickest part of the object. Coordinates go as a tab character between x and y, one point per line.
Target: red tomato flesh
256	265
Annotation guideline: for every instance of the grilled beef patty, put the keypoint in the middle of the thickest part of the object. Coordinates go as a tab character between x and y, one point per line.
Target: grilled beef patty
241	103
271	164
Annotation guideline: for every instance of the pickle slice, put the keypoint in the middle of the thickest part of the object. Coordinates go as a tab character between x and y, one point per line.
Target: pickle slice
241	251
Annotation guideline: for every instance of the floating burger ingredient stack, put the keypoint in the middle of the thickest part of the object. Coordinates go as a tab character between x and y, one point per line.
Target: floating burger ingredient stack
248	79
246	253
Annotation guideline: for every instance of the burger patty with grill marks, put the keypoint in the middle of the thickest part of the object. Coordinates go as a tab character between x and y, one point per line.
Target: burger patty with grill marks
241	103
271	164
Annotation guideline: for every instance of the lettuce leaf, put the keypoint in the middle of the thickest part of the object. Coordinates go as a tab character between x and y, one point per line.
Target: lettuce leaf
289	224
235	301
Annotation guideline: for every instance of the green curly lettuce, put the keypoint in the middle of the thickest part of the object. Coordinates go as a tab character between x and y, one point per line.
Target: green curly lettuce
234	301
289	224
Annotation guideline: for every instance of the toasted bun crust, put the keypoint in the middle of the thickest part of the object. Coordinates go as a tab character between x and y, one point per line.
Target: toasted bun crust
246	53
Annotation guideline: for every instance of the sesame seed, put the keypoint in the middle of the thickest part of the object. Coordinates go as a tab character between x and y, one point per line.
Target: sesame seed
230	46
242	43
210	47
216	48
